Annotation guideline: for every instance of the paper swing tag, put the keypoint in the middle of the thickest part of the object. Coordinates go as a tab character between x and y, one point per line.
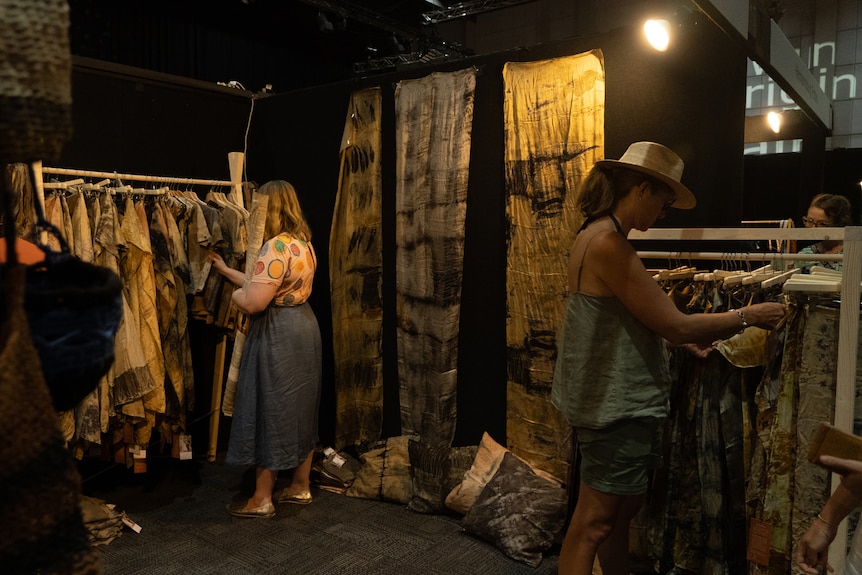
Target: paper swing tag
181	446
759	538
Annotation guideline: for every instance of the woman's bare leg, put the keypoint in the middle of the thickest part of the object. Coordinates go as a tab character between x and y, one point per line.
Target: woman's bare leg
301	476
594	530
614	551
264	482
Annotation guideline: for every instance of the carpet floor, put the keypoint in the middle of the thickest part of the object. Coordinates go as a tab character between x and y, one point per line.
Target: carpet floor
180	507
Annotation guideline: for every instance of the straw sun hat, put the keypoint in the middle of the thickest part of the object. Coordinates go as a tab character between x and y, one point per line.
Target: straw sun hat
658	162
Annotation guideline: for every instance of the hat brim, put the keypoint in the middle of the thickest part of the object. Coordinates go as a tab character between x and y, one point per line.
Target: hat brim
684	199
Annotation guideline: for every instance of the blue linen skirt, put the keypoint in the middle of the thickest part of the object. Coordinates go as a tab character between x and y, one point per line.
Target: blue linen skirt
278	391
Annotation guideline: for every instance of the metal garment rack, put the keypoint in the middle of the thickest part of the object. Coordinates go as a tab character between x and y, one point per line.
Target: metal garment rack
848	327
235	161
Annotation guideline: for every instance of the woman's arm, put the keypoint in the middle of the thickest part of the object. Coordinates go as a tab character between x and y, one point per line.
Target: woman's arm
250	299
812	551
613	261
254	298
235	277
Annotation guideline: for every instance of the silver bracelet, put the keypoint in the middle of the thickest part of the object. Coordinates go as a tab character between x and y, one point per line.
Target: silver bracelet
742	317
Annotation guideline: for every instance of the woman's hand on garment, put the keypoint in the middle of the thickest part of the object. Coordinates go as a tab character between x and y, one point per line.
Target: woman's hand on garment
812	551
217	261
769	315
235	277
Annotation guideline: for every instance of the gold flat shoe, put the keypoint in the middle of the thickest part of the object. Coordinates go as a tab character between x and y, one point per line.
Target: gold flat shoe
301	498
238	509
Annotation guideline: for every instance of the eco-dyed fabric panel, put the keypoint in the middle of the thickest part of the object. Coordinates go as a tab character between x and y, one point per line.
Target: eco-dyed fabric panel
256	226
434	117
785	490
554	133
355	275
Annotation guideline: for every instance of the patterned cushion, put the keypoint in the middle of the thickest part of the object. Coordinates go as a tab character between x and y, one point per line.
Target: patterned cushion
385	473
483	468
435	472
521	513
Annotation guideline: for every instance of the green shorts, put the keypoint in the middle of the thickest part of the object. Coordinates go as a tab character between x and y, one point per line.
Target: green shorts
616	459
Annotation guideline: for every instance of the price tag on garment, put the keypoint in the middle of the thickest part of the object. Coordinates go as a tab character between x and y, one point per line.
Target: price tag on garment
130	524
181	446
759	537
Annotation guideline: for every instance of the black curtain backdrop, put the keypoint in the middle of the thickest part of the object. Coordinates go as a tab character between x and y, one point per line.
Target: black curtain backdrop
128	120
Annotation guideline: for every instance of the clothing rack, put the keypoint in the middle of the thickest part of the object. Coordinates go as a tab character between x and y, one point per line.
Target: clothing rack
134	177
743	256
848	327
235	162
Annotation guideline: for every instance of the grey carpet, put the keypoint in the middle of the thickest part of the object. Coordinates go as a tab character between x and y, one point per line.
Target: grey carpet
185	529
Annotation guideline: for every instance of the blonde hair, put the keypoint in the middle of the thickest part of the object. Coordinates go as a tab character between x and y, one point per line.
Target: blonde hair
283	212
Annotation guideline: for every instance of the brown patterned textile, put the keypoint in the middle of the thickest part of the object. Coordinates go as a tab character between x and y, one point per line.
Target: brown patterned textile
356	275
434	118
554	130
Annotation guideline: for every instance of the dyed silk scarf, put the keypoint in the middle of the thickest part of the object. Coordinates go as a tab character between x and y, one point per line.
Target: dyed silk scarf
554	132
355	275
434	117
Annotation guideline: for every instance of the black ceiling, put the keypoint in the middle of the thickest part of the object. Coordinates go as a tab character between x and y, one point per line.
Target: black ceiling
288	44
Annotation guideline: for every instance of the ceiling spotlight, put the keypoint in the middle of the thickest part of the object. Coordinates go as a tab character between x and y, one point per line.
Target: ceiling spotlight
774	121
658	34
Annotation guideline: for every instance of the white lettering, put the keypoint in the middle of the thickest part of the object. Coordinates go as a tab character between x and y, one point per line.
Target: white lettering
758	71
851	85
817	48
749	92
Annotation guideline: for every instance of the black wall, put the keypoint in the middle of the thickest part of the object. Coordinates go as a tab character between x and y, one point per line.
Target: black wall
128	120
690	99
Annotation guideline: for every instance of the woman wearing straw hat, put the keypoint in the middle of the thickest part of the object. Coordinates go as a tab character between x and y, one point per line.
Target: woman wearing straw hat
612	379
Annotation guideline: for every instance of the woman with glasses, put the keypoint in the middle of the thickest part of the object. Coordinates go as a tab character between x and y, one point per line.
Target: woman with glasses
826	211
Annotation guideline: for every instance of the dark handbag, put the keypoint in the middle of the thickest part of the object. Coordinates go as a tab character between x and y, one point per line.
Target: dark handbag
74	309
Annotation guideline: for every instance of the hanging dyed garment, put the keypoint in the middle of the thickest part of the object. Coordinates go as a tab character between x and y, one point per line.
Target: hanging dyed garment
554	130
433	117
356	275
784	490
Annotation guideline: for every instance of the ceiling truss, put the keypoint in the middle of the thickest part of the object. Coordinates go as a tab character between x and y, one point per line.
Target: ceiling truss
464	9
427	45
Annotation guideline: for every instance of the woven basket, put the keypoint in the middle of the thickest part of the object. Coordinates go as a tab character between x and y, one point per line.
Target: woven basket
35	80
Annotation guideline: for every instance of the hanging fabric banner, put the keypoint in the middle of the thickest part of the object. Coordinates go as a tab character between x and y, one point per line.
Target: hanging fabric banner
356	275
256	226
434	117
554	132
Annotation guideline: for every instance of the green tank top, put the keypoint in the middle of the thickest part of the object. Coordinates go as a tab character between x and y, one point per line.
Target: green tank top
609	365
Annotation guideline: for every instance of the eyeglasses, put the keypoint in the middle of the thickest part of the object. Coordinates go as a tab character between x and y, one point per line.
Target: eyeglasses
809	223
667	204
